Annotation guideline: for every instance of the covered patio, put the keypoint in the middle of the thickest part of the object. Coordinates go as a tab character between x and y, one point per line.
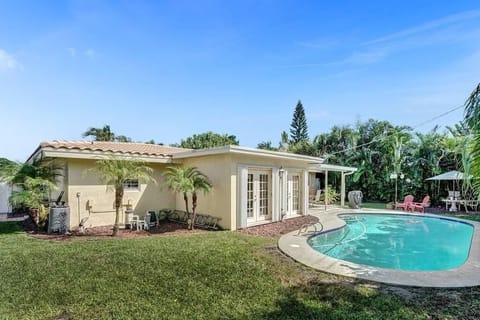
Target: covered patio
318	185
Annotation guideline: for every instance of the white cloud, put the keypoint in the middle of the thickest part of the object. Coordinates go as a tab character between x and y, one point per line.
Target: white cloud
8	62
72	52
457	28
90	53
427	27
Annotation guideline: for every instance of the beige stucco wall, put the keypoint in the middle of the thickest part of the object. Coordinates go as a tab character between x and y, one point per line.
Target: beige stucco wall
219	201
84	189
222	170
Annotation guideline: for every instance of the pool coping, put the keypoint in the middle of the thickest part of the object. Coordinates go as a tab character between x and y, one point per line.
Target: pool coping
296	246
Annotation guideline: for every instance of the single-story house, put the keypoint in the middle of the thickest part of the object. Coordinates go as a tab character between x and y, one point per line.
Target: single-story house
250	186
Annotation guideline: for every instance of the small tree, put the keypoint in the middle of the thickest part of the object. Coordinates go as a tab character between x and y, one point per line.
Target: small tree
187	180
114	172
100	134
208	140
35	181
298	128
105	134
33	194
266	145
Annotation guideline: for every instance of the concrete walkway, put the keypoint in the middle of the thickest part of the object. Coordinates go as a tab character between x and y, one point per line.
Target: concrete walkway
8	217
296	246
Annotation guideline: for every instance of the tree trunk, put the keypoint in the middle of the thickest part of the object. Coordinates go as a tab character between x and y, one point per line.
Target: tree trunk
194	209
118	205
185	198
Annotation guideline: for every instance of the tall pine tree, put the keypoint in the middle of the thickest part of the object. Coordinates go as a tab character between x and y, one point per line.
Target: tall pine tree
298	128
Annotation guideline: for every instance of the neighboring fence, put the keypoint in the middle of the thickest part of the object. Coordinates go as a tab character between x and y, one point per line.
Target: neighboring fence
5	192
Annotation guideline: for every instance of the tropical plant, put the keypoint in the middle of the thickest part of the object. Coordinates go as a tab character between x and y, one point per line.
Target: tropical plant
105	134
298	127
208	140
185	180
35	183
331	197
33	193
114	172
100	134
472	118
266	145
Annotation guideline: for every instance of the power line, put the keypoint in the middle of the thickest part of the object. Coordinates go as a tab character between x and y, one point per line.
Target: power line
385	136
437	117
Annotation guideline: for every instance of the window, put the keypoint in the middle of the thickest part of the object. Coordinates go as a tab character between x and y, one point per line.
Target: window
131	185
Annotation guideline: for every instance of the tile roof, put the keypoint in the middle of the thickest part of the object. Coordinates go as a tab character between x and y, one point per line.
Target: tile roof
116	147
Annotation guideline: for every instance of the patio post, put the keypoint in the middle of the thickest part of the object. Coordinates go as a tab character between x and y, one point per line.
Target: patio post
326	189
342	190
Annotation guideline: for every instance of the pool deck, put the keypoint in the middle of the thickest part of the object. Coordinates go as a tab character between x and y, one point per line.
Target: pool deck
295	245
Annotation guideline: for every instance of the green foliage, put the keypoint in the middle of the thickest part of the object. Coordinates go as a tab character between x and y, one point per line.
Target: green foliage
105	134
114	172
303	147
472	118
378	149
208	140
35	183
185	180
332	196
33	194
100	134
266	145
298	128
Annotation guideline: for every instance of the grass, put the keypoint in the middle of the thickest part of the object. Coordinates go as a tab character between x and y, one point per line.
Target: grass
218	275
373	205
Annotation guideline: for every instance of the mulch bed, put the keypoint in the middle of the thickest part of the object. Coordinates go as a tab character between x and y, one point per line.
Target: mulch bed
442	210
276	229
105	232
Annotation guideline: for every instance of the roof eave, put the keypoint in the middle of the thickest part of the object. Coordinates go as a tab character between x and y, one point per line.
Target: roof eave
246	151
95	155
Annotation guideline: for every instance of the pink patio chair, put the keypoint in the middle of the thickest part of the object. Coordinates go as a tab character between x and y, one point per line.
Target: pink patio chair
420	206
406	202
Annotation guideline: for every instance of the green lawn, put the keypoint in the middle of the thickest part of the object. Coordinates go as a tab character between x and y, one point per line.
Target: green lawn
217	275
374	205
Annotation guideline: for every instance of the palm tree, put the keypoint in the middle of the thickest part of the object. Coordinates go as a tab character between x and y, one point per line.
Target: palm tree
187	180
114	171
472	118
200	183
100	134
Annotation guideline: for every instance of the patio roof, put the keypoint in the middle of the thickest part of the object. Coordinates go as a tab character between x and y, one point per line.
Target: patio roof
331	167
450	175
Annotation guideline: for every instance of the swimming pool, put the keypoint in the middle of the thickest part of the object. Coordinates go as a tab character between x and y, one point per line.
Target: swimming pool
398	241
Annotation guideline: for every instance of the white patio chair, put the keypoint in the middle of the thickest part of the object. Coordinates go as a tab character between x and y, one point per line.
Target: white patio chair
137	222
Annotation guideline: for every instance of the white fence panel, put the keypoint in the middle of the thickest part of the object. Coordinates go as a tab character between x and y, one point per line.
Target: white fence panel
5	192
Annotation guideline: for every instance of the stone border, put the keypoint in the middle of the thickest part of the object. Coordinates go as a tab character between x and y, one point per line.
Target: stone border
467	275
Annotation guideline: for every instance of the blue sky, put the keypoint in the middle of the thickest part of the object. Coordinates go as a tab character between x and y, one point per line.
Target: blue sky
165	70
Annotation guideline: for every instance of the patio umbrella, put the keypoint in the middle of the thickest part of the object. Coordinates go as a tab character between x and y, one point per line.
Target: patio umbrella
450	175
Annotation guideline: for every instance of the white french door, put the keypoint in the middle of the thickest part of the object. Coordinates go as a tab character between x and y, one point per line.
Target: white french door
259	207
293	194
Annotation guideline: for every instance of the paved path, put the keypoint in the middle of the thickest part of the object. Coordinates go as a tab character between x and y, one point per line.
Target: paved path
296	246
7	217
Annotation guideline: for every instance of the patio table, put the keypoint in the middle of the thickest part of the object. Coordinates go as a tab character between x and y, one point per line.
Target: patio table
453	204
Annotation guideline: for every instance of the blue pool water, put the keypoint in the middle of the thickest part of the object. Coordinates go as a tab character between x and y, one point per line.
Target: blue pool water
393	241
